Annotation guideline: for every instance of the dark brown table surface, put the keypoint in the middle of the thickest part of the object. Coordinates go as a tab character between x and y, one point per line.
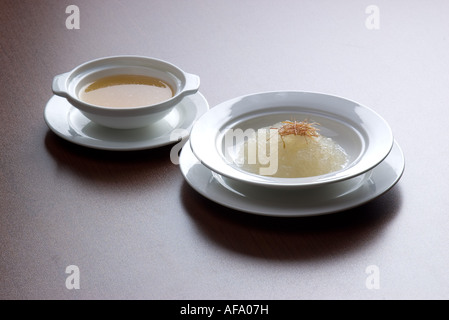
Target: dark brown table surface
136	229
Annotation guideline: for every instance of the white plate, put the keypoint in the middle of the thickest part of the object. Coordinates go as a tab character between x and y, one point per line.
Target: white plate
267	201
364	135
70	124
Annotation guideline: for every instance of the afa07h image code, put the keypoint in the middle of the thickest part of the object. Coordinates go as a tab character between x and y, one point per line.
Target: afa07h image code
229	309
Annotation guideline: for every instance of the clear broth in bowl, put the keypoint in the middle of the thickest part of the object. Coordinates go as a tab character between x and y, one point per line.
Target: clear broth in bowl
126	90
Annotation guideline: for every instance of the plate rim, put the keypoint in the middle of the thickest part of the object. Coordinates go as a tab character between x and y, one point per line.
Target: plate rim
198	99
288	213
234	173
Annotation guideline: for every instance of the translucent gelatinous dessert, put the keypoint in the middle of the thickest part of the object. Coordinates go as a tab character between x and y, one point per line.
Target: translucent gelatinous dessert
295	150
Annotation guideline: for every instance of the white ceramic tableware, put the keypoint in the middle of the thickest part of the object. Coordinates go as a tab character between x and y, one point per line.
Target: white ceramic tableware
70	124
69	85
325	199
364	135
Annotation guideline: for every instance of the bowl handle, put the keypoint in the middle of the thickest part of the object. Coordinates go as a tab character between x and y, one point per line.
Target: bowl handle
59	86
192	83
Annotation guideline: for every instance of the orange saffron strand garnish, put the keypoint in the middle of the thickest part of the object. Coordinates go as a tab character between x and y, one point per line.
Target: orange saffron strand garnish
302	128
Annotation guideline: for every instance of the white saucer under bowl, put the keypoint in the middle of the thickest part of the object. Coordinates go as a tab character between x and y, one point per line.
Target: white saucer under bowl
314	201
70	124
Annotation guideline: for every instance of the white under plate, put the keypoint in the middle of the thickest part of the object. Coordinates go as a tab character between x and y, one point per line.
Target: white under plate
70	124
313	201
